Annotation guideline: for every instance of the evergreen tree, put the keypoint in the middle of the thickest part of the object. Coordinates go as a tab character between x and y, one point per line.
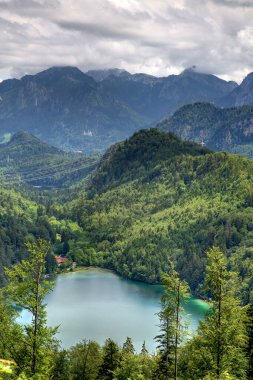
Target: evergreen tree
144	350
111	360
171	325
128	347
27	288
219	349
250	341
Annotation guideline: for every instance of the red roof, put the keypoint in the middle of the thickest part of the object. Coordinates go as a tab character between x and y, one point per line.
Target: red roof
60	259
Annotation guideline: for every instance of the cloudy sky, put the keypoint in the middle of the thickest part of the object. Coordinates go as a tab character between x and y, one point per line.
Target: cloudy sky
158	37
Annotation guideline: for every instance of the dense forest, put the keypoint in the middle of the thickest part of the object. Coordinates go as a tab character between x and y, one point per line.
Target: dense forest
152	210
139	213
220	350
152	198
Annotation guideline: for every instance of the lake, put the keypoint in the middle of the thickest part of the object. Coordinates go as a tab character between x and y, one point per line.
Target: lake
97	304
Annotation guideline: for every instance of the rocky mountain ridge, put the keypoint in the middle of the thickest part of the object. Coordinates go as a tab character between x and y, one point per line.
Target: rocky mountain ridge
69	109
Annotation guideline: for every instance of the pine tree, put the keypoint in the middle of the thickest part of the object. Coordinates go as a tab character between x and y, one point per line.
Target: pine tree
144	350
219	349
225	328
27	288
171	325
111	360
128	347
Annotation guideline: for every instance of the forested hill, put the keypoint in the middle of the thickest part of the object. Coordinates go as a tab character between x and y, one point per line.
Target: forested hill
174	206
20	221
134	157
229	129
27	159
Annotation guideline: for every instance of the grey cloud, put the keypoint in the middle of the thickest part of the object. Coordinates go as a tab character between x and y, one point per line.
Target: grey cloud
235	3
28	4
158	37
97	29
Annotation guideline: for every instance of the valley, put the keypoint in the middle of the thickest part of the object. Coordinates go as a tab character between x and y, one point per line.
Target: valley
153	204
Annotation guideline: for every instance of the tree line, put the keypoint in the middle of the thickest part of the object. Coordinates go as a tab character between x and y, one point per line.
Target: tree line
221	349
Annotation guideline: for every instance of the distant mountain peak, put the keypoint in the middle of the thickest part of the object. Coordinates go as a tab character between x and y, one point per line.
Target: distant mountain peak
61	70
100	75
191	70
60	73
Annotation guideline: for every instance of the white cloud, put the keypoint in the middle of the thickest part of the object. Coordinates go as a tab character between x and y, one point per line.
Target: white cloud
156	37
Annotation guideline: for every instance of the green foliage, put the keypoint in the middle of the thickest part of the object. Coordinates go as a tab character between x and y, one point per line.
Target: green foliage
111	360
84	361
11	333
220	346
27	160
249	349
128	347
136	156
27	287
172	207
172	330
136	367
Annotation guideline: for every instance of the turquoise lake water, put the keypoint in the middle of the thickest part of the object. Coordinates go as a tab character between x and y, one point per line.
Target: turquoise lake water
96	304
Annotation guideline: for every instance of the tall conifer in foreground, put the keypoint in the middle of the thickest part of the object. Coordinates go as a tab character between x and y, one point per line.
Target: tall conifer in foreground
27	288
219	349
171	326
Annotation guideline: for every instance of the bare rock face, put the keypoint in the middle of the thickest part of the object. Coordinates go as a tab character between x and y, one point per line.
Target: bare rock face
89	112
60	104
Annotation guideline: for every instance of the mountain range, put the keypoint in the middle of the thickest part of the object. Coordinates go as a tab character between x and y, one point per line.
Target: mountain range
76	111
157	97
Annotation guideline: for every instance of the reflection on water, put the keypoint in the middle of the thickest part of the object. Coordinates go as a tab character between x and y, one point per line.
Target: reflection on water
97	304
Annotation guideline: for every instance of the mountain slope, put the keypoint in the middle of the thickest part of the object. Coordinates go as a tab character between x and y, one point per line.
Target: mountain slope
172	208
26	159
229	129
241	95
72	110
157	97
134	157
65	107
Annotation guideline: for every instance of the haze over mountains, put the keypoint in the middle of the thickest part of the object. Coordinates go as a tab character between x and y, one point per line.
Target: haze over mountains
73	110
